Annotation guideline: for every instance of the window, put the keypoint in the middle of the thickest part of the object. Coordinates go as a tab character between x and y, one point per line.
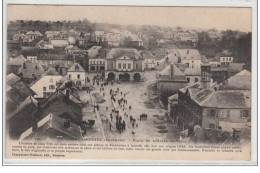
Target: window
136	66
228	113
44	88
229	59
51	87
112	65
78	76
212	126
188	79
100	62
119	65
90	62
69	76
196	79
244	113
212	113
124	66
97	62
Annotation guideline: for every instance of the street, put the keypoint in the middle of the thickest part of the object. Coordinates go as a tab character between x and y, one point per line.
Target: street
155	127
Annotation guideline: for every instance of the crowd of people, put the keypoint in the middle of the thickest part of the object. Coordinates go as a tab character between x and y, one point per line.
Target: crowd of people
121	110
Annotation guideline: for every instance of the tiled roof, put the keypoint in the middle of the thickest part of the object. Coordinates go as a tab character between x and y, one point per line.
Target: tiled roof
224	99
189	54
12	79
117	52
236	67
55	123
18	61
76	67
147	54
35	68
29	101
192	71
176	71
241	81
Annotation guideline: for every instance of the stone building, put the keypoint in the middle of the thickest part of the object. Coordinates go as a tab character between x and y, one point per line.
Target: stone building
124	64
169	81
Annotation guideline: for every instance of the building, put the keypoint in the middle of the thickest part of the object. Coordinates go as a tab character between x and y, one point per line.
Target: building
31	111
77	75
186	37
52	34
149	60
59	42
124	64
97	36
56	61
169	81
208	105
14	64
70	48
193	75
224	58
30	72
191	57
46	85
44	45
32	59
112	40
16	92
97	57
54	128
18	37
32	35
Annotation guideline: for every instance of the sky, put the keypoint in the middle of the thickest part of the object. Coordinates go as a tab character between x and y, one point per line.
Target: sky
186	17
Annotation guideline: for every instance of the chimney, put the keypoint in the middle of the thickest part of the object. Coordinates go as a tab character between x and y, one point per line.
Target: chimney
67	123
171	71
24	65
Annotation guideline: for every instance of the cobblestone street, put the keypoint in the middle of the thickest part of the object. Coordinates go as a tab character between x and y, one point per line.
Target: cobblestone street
155	127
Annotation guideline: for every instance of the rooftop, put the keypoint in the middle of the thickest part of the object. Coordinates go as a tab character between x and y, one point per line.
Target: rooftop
76	67
118	52
55	123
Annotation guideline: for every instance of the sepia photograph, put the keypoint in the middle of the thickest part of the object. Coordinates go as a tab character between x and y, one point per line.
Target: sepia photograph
128	83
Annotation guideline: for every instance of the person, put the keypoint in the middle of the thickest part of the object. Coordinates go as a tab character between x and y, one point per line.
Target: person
111	117
110	126
124	125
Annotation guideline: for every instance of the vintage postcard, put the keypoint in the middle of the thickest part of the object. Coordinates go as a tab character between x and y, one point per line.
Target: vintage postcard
129	84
